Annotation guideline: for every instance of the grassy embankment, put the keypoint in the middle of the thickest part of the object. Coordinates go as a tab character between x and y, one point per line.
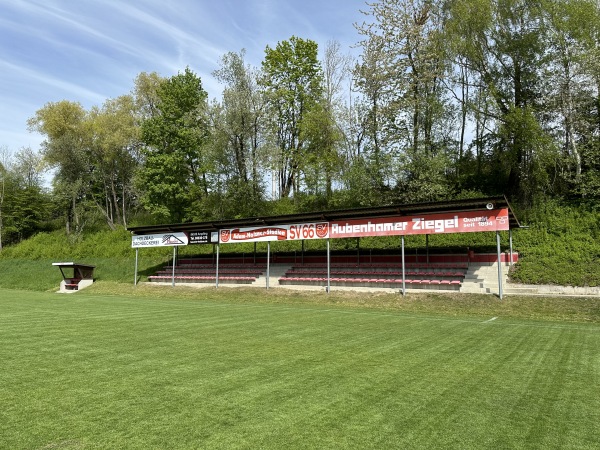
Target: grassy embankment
562	246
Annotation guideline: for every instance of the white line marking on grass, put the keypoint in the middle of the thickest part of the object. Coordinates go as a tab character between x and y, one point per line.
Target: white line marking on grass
490	320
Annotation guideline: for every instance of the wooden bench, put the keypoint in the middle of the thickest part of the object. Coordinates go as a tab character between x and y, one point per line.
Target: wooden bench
72	283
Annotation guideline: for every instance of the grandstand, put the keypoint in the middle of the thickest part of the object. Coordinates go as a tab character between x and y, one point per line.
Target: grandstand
456	272
452	272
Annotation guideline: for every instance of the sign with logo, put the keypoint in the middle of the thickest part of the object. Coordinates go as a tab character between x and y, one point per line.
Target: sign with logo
456	222
294	232
203	237
459	222
159	240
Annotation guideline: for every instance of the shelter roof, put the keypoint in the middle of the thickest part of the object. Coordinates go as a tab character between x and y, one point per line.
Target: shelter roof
476	204
72	265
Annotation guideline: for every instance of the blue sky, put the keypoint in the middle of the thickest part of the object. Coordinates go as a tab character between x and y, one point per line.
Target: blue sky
91	50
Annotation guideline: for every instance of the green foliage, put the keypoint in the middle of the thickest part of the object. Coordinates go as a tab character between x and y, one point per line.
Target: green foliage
174	173
26	212
57	245
293	86
94	155
25	207
239	127
561	247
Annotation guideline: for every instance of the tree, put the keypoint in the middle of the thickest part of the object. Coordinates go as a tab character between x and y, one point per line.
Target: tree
145	94
329	134
4	159
95	154
292	82
63	124
574	77
24	205
239	122
503	43
372	83
403	65
174	177
114	154
29	166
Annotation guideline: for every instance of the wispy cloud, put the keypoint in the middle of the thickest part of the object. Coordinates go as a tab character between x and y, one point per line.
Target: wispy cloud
89	51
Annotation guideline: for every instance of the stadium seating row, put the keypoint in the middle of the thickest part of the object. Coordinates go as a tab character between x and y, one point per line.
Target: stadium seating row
384	274
213	266
202	279
392	266
434	276
373	282
211	271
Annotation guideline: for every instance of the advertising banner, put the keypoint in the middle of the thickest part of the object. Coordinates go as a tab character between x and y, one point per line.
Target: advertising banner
455	222
203	237
265	233
159	240
458	222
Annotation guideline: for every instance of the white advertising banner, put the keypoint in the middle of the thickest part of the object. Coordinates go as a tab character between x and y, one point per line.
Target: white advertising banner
159	240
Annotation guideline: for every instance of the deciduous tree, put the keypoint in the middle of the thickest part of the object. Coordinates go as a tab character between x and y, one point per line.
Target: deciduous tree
174	177
292	82
65	148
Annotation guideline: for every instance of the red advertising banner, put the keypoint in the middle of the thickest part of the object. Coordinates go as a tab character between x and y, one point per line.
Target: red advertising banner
458	222
275	233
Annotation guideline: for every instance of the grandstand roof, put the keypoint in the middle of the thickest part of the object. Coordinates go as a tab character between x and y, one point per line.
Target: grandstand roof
476	204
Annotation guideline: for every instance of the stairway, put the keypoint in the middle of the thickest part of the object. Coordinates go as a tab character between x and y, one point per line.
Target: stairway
276	271
483	279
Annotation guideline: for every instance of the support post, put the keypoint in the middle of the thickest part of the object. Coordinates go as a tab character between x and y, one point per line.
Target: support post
137	250
510	246
403	271
499	265
174	262
217	269
328	267
268	263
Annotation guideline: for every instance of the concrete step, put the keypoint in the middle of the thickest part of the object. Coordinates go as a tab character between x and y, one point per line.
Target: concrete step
520	290
276	271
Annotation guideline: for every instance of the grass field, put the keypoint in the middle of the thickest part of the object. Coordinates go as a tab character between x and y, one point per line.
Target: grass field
164	370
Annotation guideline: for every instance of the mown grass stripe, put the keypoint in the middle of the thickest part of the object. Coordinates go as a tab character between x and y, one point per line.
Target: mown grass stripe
110	372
